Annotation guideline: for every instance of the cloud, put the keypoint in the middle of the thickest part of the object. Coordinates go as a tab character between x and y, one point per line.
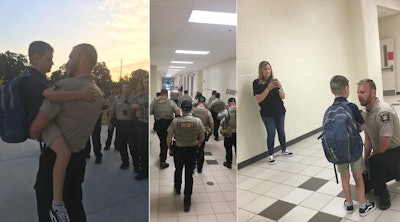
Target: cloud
126	32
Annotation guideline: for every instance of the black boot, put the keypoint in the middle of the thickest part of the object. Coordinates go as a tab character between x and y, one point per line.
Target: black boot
187	201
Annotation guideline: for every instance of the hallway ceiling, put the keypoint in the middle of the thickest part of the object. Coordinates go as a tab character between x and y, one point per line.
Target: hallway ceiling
170	30
383	11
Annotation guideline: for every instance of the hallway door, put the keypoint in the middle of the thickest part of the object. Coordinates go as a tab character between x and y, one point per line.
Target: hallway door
388	69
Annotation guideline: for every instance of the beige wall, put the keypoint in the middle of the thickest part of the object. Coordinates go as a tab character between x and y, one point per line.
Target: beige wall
306	42
220	77
198	82
155	81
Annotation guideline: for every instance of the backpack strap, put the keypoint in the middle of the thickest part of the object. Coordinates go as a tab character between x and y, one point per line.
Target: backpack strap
334	168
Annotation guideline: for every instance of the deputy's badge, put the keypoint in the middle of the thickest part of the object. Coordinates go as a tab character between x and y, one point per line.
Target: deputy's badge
384	117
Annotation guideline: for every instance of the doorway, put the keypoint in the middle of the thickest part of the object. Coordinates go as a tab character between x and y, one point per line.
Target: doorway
388	67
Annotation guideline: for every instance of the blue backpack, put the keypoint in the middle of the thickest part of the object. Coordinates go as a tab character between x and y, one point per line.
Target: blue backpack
341	138
14	124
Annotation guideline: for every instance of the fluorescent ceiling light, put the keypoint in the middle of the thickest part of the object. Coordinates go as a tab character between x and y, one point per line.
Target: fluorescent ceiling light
182	62
192	52
177	67
174	70
209	17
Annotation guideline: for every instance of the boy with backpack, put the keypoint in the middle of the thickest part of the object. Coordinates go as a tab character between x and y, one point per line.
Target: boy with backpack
342	122
33	89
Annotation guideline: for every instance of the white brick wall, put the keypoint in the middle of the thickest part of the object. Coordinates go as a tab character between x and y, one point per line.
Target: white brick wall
307	42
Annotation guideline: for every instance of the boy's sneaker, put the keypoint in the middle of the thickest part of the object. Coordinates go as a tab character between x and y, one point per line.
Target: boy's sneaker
287	153
59	215
348	207
370	206
271	159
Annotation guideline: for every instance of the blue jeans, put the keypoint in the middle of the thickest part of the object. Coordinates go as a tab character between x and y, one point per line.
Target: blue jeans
272	124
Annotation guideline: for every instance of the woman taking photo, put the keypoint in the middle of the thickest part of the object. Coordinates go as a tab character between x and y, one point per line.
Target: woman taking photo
269	95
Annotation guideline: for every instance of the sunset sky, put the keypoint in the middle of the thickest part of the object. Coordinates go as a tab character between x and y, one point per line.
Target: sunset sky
119	29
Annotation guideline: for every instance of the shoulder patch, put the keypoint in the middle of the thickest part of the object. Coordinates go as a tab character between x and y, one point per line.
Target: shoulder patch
384	116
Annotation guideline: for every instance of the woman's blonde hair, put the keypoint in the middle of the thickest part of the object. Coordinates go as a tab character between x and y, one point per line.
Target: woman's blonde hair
261	67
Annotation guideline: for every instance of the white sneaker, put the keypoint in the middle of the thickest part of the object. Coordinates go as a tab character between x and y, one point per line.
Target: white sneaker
271	159
287	153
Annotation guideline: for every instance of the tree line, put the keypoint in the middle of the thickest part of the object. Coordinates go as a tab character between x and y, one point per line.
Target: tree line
13	65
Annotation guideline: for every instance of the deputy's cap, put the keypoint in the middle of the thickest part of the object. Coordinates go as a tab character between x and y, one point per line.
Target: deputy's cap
202	99
231	100
186	105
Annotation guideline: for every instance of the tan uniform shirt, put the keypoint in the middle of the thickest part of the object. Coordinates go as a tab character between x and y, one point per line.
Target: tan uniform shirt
122	107
187	130
204	114
174	94
185	97
230	116
217	105
382	120
76	119
210	100
163	108
142	114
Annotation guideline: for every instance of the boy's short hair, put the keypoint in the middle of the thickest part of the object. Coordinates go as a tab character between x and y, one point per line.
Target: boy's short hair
338	83
38	48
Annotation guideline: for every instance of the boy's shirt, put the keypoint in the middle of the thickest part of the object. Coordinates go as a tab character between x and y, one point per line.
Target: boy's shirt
356	112
31	92
32	88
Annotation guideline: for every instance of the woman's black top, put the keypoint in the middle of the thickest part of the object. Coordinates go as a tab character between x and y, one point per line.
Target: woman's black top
272	105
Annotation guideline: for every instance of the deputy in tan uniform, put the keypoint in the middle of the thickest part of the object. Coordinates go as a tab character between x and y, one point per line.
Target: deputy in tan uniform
184	97
382	140
189	135
174	95
141	105
206	118
76	119
163	110
216	106
212	97
229	115
126	130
